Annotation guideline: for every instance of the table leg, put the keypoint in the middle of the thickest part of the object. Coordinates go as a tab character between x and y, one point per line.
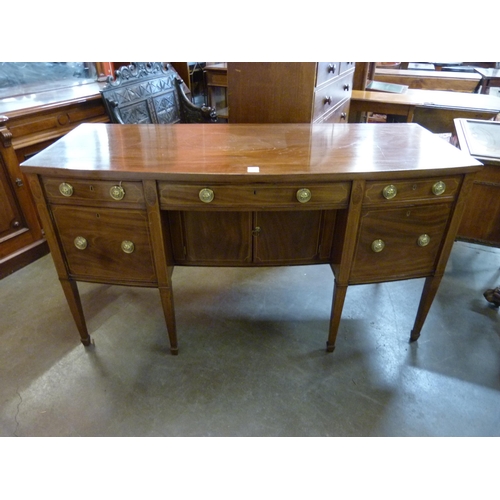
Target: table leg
167	302
339	294
431	286
72	295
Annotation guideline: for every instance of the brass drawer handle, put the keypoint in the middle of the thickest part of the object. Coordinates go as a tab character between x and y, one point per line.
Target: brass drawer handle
128	246
206	195
303	195
80	243
423	240
66	189
439	188
378	245
390	192
117	193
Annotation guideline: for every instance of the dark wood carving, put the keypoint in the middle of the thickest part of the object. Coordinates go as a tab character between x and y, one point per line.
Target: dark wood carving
151	92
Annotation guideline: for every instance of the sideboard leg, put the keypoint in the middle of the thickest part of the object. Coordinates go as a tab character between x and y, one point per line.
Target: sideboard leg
75	304
339	294
431	286
167	302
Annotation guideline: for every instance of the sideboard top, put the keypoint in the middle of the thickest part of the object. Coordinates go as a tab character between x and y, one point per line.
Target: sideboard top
248	152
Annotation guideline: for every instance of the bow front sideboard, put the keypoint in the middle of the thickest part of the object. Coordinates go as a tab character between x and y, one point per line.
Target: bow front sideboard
125	204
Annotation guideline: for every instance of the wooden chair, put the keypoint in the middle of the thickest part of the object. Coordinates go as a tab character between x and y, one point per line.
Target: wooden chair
151	92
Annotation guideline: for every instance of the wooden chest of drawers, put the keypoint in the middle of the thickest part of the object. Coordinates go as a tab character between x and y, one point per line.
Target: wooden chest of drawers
250	195
289	92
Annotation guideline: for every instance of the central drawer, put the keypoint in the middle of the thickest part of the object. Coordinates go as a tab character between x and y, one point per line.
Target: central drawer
253	197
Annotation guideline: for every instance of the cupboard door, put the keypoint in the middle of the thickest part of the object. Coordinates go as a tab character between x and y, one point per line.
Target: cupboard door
212	237
399	243
287	237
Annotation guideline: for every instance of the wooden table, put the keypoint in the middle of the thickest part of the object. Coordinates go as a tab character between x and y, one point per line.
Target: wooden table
489	77
125	204
430	80
433	109
481	221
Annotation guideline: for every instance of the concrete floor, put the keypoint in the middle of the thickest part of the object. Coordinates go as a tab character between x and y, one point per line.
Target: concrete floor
252	359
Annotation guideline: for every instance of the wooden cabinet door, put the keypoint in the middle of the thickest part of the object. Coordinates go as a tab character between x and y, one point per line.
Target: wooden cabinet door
399	243
287	237
244	238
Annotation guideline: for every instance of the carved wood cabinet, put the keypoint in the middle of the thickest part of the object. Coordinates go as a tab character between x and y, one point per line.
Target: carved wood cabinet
289	92
125	204
28	125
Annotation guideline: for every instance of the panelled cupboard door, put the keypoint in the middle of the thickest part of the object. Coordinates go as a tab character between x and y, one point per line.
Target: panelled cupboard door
241	238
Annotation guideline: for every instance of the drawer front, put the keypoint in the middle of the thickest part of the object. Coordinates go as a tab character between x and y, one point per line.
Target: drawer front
217	79
101	255
326	71
346	66
327	98
445	188
338	115
399	243
182	196
75	191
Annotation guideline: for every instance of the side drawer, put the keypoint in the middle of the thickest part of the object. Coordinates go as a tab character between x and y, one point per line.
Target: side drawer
327	98
75	191
255	197
105	243
399	243
445	188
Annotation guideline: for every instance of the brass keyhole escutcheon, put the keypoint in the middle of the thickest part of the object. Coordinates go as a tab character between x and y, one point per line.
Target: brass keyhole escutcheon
378	245
256	230
128	246
439	188
66	189
117	193
389	192
206	195
423	240
80	243
303	195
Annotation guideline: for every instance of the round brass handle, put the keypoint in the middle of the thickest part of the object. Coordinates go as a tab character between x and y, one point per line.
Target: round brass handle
423	240
117	193
128	246
66	189
389	192
206	195
439	188
378	245
80	243
304	195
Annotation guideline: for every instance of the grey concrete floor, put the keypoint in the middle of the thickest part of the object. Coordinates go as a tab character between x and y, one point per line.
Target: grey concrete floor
252	360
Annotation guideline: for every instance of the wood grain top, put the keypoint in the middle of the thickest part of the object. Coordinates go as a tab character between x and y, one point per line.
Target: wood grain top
433	98
248	152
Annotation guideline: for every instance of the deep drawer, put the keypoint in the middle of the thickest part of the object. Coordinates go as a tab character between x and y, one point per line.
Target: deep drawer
105	244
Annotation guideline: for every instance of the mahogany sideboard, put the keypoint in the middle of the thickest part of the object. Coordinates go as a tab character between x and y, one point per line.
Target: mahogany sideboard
125	204
28	124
